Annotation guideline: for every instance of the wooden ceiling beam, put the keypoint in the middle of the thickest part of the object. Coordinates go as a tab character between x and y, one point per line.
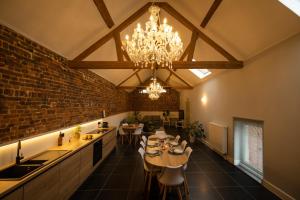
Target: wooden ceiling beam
140	80
118	46
109	35
169	9
164	86
192	46
134	73
174	73
185	53
168	79
176	65
104	13
210	13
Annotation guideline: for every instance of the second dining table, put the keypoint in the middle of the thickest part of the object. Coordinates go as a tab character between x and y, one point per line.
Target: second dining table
130	129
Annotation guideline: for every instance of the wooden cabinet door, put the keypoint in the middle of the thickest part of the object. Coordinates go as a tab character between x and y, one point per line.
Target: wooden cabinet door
86	162
15	195
69	175
44	187
109	136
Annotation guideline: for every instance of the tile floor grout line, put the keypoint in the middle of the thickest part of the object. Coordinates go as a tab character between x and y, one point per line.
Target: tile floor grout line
107	178
132	178
240	185
209	181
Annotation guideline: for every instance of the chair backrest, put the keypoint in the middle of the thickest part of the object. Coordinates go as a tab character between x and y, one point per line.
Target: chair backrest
141	125
160	133
183	144
138	131
142	152
188	151
172	175
125	124
177	138
144	139
143	144
121	131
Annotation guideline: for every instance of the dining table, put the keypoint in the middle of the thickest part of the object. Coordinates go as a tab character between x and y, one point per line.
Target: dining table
162	147
130	129
165	157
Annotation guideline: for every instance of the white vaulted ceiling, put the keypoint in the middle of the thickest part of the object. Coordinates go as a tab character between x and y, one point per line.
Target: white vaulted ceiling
243	27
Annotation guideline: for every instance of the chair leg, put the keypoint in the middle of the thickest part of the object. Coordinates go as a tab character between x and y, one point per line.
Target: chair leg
149	181
165	192
122	138
179	192
161	188
186	187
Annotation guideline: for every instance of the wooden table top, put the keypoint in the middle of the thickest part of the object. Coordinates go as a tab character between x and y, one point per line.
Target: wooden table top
130	126
165	159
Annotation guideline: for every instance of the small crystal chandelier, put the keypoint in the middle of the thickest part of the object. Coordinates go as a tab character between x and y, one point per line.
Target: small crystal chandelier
154	90
157	44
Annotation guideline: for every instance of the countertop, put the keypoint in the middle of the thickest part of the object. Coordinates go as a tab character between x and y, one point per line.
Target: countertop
74	146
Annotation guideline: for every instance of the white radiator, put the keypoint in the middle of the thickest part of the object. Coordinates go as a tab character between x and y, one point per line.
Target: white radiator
217	137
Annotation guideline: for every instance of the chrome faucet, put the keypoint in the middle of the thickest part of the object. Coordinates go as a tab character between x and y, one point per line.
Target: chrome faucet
19	157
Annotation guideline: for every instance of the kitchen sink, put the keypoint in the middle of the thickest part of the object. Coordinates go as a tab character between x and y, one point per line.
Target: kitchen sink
17	172
34	162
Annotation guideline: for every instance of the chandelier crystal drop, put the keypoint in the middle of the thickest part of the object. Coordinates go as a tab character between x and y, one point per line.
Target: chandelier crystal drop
154	90
157	44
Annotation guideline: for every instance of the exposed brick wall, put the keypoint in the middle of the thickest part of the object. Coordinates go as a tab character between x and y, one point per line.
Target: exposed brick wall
167	101
39	93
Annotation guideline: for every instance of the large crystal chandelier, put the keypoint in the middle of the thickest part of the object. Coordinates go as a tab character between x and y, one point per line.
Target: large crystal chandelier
154	90
157	44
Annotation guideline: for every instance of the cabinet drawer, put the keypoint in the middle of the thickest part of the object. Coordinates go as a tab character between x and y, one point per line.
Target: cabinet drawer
69	176
44	187
109	147
109	136
86	162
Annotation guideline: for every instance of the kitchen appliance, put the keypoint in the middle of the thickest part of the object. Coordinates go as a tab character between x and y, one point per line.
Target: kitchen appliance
104	124
97	152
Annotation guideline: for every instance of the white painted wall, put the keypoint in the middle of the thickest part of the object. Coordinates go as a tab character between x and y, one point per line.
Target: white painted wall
35	145
268	89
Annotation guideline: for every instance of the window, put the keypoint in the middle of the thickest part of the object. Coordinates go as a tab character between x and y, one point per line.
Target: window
293	5
200	73
248	146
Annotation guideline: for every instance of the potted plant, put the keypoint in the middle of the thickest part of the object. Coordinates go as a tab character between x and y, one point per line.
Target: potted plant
195	130
137	116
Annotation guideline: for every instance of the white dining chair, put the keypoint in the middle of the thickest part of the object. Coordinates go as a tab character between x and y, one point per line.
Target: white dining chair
122	134
149	172
188	151
160	133
143	144
141	125
137	134
171	177
183	144
177	138
144	138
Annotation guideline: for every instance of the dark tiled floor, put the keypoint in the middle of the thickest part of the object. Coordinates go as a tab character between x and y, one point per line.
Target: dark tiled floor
210	177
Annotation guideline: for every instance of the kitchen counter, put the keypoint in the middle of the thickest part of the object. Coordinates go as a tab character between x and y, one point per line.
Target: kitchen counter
74	146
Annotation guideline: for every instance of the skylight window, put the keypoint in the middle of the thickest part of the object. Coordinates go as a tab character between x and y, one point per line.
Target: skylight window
293	5
200	73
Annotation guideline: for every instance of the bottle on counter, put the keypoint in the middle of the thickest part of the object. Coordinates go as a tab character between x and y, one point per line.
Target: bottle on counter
60	139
